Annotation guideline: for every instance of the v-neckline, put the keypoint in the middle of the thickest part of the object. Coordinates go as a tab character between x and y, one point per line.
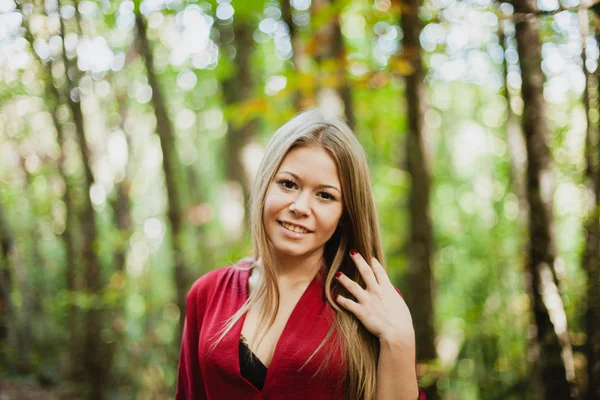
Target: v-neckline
245	279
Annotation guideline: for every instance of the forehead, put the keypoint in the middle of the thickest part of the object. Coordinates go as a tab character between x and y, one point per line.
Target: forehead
311	162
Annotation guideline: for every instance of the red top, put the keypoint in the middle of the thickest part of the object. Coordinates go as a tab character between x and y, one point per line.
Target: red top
213	299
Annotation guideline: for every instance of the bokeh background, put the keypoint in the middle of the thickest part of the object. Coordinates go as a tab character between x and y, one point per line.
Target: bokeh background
130	132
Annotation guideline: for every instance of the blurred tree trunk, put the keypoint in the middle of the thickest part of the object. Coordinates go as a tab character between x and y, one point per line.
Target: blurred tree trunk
72	278
36	279
121	204
19	331
93	347
554	357
8	334
238	89
515	142
301	101
164	129
518	165
68	236
52	101
591	259
6	308
330	54
123	220
420	246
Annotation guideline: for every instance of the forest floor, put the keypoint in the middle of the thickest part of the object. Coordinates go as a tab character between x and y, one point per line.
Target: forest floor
24	390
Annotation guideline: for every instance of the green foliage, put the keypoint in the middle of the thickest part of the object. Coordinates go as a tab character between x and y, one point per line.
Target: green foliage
481	308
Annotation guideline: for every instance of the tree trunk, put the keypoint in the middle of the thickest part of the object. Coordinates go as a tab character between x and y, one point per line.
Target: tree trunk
35	288
518	165
591	259
301	101
554	357
19	330
93	348
52	100
164	129
419	274
237	89
6	307
123	220
68	236
515	142
331	56
121	205
8	333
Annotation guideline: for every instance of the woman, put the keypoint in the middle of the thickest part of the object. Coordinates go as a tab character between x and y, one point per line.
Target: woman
313	314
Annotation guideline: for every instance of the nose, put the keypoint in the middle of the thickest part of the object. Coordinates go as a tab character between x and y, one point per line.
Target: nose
301	206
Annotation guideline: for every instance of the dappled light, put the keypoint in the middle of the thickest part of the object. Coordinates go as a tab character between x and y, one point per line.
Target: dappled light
131	134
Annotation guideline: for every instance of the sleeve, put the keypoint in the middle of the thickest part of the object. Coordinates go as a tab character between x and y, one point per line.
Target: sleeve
421	394
190	384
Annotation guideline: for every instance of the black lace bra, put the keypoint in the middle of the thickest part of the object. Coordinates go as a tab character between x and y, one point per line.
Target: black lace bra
251	367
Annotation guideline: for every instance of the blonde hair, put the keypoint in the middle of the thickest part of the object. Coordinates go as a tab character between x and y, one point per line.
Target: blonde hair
359	229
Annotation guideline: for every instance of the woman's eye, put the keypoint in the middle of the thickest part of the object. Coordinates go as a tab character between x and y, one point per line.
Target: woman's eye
326	196
287	184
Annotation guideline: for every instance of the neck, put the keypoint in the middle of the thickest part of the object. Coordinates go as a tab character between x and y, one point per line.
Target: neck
300	269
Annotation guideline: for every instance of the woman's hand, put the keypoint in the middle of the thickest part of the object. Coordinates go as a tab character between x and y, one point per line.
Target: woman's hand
379	306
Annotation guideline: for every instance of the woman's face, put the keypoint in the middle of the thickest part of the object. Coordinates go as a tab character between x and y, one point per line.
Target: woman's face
303	203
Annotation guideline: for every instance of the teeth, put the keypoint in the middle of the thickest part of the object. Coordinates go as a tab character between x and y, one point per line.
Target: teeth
294	228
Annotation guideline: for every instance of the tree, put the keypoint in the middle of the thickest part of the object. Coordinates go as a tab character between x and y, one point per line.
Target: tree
591	259
554	357
93	348
238	88
514	138
287	16
330	54
420	243
8	331
52	101
164	129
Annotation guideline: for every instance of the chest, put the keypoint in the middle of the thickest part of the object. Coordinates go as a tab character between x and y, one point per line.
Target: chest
298	359
264	346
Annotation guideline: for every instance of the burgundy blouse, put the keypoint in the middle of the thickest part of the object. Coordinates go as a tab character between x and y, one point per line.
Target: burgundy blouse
205	374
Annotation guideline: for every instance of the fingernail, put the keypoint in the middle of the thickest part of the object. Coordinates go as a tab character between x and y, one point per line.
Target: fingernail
353	252
336	296
338	274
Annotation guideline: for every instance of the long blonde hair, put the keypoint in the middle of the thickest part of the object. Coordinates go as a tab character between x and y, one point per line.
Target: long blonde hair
359	229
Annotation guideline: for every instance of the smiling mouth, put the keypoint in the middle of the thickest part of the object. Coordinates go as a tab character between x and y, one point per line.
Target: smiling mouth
293	228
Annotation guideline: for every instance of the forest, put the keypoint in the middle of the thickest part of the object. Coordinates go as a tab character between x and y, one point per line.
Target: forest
130	133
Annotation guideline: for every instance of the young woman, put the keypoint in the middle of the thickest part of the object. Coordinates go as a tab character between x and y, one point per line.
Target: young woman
312	315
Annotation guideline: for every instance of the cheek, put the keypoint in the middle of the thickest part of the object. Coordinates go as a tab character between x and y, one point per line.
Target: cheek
273	203
330	219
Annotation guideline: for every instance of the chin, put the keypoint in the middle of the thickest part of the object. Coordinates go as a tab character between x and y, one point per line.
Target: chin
294	249
289	251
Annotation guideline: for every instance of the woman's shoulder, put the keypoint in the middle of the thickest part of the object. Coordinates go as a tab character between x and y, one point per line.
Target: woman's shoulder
219	277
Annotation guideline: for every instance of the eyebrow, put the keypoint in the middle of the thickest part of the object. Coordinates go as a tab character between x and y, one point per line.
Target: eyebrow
321	186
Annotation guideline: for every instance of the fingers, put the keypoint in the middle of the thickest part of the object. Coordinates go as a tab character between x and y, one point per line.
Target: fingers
379	271
352	287
348	304
374	276
364	268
